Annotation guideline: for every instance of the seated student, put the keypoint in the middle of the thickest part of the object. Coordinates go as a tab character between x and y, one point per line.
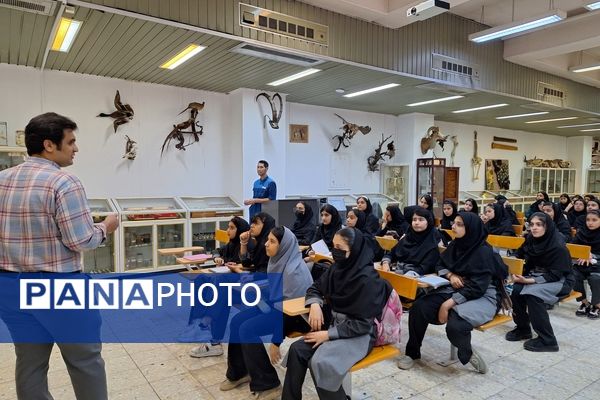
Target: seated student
470	300
536	206
249	362
230	254
508	210
393	221
252	244
589	235
418	250
564	201
592	205
471	206
560	221
330	224
426	201
588	197
450	212
409	211
356	296
357	219
372	222
578	209
304	226
497	222
546	278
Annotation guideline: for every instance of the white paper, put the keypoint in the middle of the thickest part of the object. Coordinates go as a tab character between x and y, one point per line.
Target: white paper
220	270
321	248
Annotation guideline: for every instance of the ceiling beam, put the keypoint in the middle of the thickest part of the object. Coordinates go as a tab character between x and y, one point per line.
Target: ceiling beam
61	10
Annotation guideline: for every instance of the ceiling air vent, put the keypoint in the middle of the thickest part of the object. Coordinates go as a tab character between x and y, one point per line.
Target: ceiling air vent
281	24
551	94
44	7
275	55
454	66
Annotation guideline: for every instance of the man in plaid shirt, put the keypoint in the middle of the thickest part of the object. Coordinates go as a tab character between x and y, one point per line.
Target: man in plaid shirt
45	224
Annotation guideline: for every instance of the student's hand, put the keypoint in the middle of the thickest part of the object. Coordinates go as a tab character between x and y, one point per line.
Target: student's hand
584	261
219	261
385	266
456	281
315	317
311	253
523	280
244	238
274	354
237	268
248	202
316	337
111	222
444	310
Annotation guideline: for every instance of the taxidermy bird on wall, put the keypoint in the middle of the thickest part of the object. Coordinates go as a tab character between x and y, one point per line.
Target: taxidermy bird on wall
276	113
348	131
373	161
130	149
179	130
122	115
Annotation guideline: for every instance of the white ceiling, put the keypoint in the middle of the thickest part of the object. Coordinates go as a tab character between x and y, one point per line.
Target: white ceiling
554	49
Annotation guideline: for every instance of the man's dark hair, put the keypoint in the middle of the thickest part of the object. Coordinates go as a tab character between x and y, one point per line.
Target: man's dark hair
48	126
264	163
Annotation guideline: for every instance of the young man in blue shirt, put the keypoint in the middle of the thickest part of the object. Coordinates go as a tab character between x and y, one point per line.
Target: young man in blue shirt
263	190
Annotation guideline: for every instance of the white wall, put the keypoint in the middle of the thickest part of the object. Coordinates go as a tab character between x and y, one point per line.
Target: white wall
28	92
529	144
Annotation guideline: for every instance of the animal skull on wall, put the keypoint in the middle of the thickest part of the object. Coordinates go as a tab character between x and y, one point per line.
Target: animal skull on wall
275	113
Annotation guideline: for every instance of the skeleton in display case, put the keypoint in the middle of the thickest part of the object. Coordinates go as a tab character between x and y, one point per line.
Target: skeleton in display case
395	185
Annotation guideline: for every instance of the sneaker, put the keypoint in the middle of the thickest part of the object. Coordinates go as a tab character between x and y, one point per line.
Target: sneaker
207	350
271	394
583	310
594	313
405	362
229	385
478	363
538	346
516	335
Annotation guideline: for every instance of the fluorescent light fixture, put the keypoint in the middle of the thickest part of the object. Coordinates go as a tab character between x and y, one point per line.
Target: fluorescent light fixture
518	27
65	35
375	89
585	68
421	103
578	126
539	121
290	78
522	115
183	56
590	130
593	6
480	108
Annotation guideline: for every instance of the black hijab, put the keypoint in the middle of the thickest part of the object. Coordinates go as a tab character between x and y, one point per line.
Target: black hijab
573	215
429	200
259	259
501	223
580	221
446	222
371	220
548	252
475	208
408	213
353	287
231	251
304	226
589	237
561	223
369	209
416	245
563	206
535	206
398	223
328	231
361	220
461	249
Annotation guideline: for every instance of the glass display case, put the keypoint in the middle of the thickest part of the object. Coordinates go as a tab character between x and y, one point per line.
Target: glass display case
518	201
593	181
104	258
394	183
149	224
11	156
431	174
549	180
206	214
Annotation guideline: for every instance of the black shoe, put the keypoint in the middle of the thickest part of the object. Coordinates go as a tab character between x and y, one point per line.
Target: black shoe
583	310
516	335
549	306
538	346
594	313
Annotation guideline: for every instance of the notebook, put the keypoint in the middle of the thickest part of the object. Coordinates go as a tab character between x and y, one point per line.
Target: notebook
321	248
220	270
198	257
434	281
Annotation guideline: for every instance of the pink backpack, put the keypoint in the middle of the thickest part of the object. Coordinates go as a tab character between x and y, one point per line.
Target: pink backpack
388	327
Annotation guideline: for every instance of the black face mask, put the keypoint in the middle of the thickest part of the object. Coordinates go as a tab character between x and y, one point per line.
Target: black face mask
299	214
339	256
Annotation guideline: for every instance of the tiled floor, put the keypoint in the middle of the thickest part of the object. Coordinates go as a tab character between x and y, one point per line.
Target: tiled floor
159	371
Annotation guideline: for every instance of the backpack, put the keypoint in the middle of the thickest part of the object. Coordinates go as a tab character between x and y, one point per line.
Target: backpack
388	325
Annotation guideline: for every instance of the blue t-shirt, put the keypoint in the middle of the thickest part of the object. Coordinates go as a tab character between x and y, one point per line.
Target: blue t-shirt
262	189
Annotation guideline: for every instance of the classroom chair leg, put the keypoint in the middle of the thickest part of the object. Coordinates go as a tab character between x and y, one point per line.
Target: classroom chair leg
453	357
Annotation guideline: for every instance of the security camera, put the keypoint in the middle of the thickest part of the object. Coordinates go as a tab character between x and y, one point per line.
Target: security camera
427	9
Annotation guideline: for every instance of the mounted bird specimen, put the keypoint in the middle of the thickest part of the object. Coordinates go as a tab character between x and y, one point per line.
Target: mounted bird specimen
348	131
122	115
276	113
179	131
130	149
373	161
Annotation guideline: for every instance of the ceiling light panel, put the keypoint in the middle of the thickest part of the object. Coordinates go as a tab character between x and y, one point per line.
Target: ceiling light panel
183	56
422	103
480	108
375	89
593	6
522	115
518	27
578	126
65	35
550	120
290	78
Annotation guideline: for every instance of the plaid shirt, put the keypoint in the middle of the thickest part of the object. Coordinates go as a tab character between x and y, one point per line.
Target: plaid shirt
45	221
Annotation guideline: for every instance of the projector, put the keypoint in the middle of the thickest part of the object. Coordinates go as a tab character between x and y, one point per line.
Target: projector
427	9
